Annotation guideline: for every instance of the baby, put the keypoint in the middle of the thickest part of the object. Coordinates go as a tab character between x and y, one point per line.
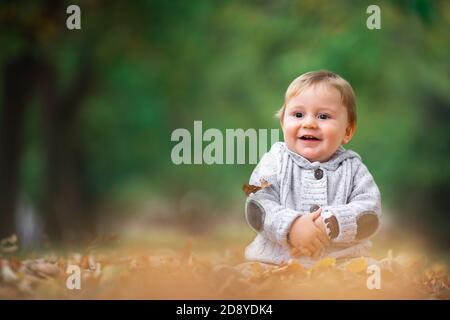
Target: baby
317	198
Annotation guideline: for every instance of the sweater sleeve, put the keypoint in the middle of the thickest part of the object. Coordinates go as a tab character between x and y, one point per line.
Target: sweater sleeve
263	210
359	218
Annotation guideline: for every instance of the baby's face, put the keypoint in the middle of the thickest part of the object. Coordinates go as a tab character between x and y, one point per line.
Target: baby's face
315	123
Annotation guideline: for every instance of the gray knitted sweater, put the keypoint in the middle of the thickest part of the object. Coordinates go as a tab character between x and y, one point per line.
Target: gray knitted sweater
342	186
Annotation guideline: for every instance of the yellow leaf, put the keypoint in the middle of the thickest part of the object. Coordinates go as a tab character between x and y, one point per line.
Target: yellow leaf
295	267
357	265
325	263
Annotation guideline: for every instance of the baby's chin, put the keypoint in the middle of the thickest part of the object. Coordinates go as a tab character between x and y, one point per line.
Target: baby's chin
313	156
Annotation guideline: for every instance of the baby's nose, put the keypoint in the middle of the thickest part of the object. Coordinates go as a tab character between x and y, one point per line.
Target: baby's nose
309	121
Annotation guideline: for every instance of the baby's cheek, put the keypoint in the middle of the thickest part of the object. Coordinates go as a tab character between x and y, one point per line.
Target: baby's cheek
289	134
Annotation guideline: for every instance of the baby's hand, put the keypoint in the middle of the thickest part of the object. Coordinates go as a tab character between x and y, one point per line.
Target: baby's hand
321	225
305	236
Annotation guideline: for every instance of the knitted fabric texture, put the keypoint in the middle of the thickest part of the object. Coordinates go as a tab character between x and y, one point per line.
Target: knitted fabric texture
342	186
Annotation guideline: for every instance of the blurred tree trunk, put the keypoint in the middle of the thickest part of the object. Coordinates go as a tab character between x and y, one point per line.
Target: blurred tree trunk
63	203
62	206
18	87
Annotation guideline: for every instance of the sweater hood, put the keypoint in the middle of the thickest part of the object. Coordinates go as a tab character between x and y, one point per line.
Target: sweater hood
333	163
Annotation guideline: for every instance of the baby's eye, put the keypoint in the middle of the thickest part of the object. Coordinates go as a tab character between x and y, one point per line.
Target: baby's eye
323	116
298	114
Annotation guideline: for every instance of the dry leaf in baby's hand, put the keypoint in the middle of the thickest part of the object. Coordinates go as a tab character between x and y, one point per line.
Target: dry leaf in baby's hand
249	188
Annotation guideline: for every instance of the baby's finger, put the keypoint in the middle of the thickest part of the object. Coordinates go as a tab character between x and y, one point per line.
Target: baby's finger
312	245
317	254
305	252
295	253
322	237
308	246
317	222
317	245
315	214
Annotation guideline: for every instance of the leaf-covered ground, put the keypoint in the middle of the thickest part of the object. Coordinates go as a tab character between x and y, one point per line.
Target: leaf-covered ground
204	269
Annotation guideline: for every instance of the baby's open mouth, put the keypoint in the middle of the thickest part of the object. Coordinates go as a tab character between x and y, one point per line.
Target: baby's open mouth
309	137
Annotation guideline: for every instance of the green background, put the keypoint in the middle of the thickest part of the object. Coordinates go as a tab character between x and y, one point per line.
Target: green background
138	70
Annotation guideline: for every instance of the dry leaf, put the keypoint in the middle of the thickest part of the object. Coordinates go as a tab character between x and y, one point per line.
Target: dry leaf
295	266
218	275
249	188
8	275
84	263
9	245
15	264
41	268
324	263
357	265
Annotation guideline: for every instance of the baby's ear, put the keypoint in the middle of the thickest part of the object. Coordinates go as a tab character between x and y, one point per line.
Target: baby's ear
349	132
280	115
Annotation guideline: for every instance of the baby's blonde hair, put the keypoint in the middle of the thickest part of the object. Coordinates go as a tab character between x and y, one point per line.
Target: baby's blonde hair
322	77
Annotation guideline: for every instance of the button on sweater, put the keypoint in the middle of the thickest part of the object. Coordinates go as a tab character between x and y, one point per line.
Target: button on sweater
342	186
